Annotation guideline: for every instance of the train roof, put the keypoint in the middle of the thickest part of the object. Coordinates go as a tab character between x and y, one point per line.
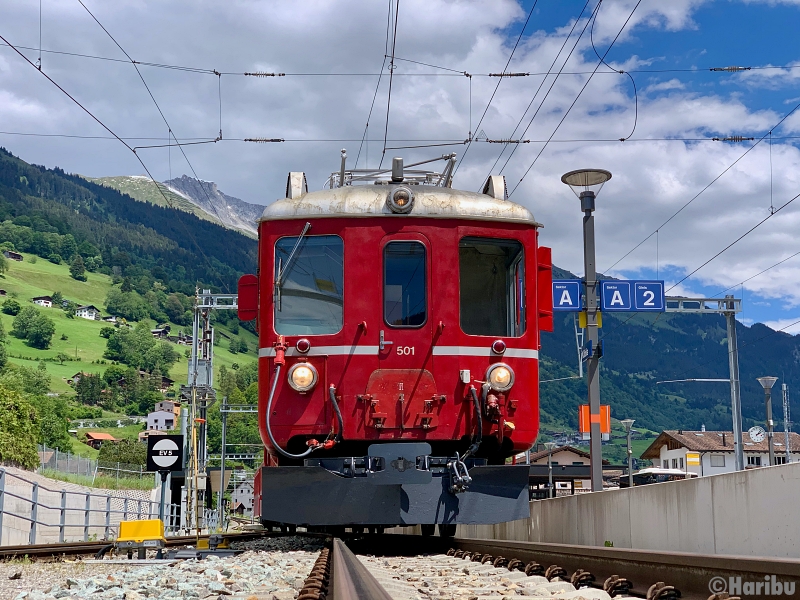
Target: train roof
370	201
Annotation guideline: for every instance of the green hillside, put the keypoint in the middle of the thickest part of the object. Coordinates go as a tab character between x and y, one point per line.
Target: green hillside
84	346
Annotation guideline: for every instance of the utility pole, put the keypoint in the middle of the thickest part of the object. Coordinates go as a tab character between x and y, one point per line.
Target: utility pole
628	423
199	395
787	422
583	180
736	394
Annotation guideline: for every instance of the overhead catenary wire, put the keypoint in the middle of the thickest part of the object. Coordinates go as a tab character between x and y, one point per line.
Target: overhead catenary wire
364	138
455	72
163	116
571	106
123	142
737	240
633	83
499	81
712	182
391	79
541	84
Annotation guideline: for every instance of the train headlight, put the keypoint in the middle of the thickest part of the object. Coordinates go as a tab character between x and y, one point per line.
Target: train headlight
500	377
400	200
303	377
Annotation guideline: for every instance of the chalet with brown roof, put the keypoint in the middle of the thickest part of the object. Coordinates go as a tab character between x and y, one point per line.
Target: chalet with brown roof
712	452
12	255
95	439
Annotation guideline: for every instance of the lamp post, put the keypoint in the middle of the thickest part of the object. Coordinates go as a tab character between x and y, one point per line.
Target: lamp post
550	446
628	423
586	184
767	383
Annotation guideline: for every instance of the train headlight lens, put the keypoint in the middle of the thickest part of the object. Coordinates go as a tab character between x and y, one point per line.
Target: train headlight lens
401	200
303	377
500	377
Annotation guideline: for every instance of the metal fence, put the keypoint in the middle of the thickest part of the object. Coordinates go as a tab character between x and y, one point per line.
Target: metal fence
71	464
75	515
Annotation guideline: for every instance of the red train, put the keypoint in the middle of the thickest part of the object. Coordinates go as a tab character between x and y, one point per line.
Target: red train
399	324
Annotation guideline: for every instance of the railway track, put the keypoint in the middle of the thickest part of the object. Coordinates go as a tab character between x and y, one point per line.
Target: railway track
409	567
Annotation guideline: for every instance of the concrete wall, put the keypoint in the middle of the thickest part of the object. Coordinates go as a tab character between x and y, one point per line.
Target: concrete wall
749	513
16	530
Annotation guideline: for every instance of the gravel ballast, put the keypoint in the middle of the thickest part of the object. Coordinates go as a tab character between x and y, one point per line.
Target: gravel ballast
270	569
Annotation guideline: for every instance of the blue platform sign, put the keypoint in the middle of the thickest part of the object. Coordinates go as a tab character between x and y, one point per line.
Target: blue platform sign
567	295
616	296
629	296
648	296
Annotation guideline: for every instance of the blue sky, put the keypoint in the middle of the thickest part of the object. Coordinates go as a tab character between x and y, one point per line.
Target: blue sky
321	114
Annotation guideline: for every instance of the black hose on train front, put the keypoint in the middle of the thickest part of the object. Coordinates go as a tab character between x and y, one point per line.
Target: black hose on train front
479	415
316	446
275	445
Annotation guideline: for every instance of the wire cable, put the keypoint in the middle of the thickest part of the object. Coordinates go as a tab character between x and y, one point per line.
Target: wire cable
571	106
741	283
391	78
740	238
541	104
712	182
499	81
124	143
377	87
635	91
164	118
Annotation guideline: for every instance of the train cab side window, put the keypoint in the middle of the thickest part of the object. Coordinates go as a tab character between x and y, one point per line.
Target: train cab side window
309	298
492	286
405	284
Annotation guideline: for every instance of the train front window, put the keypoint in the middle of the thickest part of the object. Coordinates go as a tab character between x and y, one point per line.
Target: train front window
309	298
404	284
492	286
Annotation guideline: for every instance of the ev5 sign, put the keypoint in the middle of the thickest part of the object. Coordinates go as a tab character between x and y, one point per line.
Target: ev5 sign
165	453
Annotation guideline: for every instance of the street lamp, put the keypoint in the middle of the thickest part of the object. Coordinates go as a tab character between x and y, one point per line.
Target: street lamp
628	423
586	184
767	383
550	446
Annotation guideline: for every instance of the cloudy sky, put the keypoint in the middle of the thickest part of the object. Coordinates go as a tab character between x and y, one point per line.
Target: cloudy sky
332	54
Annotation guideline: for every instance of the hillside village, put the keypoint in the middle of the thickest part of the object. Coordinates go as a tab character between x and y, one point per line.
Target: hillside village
89	388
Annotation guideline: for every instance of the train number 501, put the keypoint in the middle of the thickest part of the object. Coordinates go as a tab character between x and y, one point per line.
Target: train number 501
405	351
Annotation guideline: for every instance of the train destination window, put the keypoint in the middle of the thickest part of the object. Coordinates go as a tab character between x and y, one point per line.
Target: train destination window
492	286
404	284
309	296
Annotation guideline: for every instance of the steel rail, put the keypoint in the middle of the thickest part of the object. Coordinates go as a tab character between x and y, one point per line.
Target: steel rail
76	548
350	579
688	572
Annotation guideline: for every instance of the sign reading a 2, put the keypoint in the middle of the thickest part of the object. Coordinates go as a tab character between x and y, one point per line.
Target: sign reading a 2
405	351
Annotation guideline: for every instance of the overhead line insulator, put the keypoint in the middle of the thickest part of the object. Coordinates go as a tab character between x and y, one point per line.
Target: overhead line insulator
264	140
508	74
507	141
265	74
733	138
732	69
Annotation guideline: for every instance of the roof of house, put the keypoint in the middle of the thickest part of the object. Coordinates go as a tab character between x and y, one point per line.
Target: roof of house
89	306
99	435
712	441
543	454
48	298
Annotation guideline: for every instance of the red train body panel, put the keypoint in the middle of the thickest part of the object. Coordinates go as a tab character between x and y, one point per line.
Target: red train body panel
399	316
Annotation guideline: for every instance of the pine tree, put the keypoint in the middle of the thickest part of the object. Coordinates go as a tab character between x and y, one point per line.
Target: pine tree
78	270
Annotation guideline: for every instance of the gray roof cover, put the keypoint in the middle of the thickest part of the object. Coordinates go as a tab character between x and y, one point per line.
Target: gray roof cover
370	201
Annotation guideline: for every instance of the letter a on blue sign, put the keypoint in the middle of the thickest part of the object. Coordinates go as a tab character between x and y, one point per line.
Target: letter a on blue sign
567	294
615	295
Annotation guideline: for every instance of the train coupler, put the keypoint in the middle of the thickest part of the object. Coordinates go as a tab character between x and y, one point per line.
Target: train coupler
459	475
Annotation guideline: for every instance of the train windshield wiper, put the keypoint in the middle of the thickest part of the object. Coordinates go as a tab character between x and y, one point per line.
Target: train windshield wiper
283	270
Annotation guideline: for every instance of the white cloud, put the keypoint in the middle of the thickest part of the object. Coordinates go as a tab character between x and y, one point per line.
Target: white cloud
651	179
